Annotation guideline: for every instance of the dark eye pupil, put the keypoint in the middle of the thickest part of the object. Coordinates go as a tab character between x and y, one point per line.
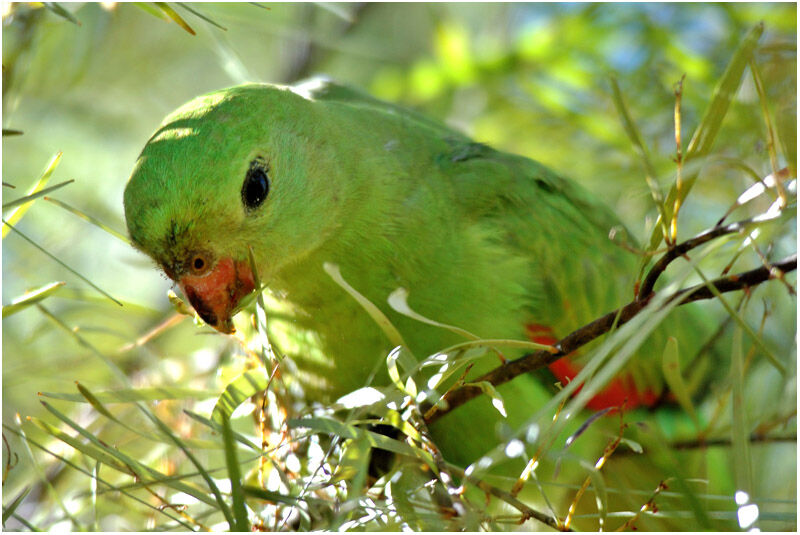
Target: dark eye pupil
256	185
198	263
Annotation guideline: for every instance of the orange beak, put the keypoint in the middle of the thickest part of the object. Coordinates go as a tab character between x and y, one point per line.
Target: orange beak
215	294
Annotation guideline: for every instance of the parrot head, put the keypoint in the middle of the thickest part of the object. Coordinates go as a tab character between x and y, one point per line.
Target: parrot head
238	170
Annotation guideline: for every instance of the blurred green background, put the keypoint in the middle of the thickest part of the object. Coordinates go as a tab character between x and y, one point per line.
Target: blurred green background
526	78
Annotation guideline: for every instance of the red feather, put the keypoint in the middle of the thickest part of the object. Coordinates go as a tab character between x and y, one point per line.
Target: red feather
620	392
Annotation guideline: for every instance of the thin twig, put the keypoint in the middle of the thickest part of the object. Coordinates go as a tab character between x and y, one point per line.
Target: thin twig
526	511
681	249
649	505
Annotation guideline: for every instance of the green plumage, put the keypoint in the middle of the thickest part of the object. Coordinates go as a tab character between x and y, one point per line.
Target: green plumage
483	240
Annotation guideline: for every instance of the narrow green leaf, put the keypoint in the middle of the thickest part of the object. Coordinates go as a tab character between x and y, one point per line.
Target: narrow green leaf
353	465
94	402
29	298
100	407
32	196
649	170
267	354
44	480
117	459
497	400
84	343
12	132
706	132
240	520
144	6
375	313
42	249
169	12
9	510
116	488
399	354
772	148
131	395
19	211
269	496
326	425
635	136
220	502
188	8
238	391
94	221
217	428
93	490
376	440
670	365
786	128
601	495
709	126
743	324
89	450
398	300
59	10
740	431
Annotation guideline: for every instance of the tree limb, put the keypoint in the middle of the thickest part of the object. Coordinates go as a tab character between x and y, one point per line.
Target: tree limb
681	249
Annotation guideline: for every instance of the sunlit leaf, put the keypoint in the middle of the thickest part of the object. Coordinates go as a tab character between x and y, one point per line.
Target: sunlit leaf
497	400
238	391
670	365
376	440
169	12
19	211
241	522
398	300
93	220
31	297
709	126
32	196
706	132
378	317
353	464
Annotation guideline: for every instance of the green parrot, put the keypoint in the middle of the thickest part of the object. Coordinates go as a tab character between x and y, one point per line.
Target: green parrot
320	174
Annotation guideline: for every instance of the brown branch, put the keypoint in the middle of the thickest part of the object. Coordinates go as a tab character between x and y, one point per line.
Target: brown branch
539	359
681	249
731	283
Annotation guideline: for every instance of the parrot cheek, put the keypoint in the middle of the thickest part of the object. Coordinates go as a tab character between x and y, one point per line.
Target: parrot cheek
215	294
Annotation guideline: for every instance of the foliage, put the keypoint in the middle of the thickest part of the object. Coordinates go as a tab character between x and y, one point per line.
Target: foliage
148	421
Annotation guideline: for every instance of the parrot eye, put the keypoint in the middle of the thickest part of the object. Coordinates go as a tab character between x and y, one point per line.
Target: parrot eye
256	184
198	265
